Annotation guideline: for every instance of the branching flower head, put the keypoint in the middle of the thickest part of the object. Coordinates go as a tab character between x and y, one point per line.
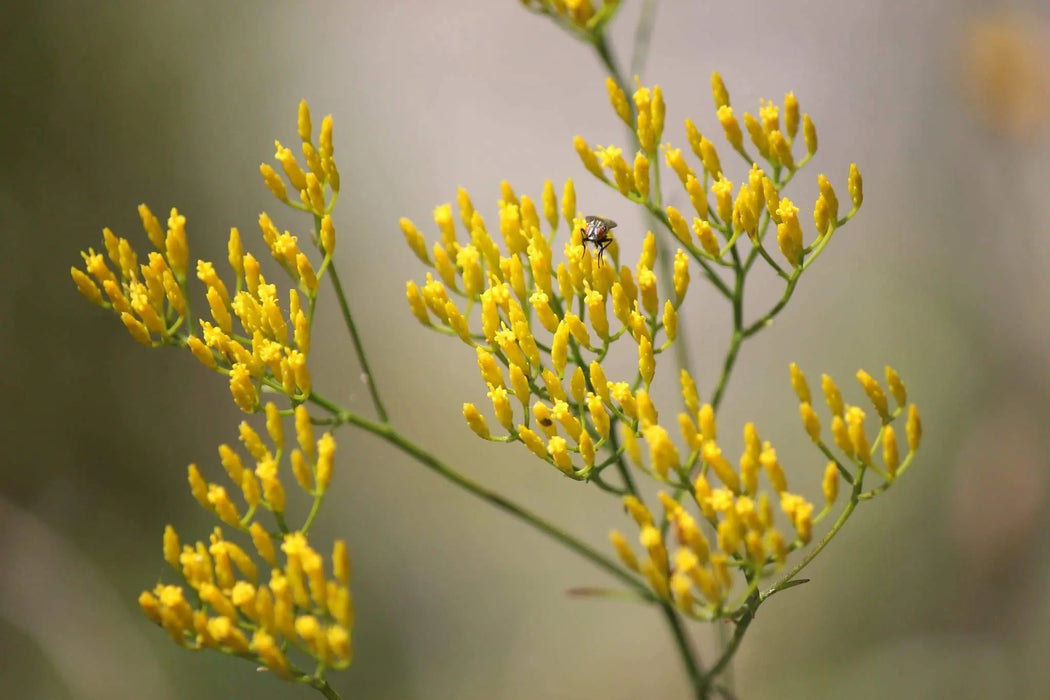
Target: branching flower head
542	324
259	337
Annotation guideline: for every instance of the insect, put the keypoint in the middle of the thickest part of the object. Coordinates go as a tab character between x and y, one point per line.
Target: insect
597	234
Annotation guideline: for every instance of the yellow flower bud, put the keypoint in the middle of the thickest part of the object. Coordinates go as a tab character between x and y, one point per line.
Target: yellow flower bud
586	446
774	471
893	380
542	413
648	287
301	470
476	420
832	395
415	302
809	131
558	450
799	384
677	163
828	193
810	421
578	385
589	159
599	416
647	414
856	186
697	196
830	483
641	175
263	543
689	432
550	204
723	191
857	436
841	435
618	100
273	182
243	389
875	394
568	197
707	238
532	441
709	157
623	550
646	361
596	313
659	112
718	90
712	454
780	150
790	115
731	127
708	426
890	455
678	225
325	461
822	216
630	444
670	321
758	136
789	232
152	227
86	286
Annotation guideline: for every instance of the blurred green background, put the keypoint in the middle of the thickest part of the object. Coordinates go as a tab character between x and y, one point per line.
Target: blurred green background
938	589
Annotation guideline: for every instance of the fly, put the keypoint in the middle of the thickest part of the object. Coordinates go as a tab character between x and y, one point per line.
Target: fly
597	233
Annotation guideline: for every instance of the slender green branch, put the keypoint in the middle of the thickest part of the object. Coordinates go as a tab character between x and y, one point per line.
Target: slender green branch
685	646
388	434
738	333
321	686
777	308
730	647
358	347
643	35
843	517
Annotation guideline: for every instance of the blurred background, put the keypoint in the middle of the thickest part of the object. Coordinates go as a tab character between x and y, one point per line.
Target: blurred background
937	589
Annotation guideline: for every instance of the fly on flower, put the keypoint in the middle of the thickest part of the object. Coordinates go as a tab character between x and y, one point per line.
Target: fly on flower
597	234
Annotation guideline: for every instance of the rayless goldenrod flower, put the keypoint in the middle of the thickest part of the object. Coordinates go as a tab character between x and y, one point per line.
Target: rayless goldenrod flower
543	316
252	334
551	359
258	335
223	602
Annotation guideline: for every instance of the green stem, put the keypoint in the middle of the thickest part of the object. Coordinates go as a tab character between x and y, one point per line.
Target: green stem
321	686
843	517
738	332
358	347
730	647
387	433
685	647
643	34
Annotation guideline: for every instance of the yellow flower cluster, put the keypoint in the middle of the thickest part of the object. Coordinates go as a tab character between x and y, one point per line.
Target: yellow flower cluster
256	341
728	214
269	344
542	327
698	577
223	604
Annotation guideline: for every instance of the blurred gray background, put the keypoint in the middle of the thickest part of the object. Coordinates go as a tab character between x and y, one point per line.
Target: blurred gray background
938	589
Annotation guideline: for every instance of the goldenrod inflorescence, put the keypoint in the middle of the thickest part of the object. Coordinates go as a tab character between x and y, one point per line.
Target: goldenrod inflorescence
541	326
541	314
261	343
